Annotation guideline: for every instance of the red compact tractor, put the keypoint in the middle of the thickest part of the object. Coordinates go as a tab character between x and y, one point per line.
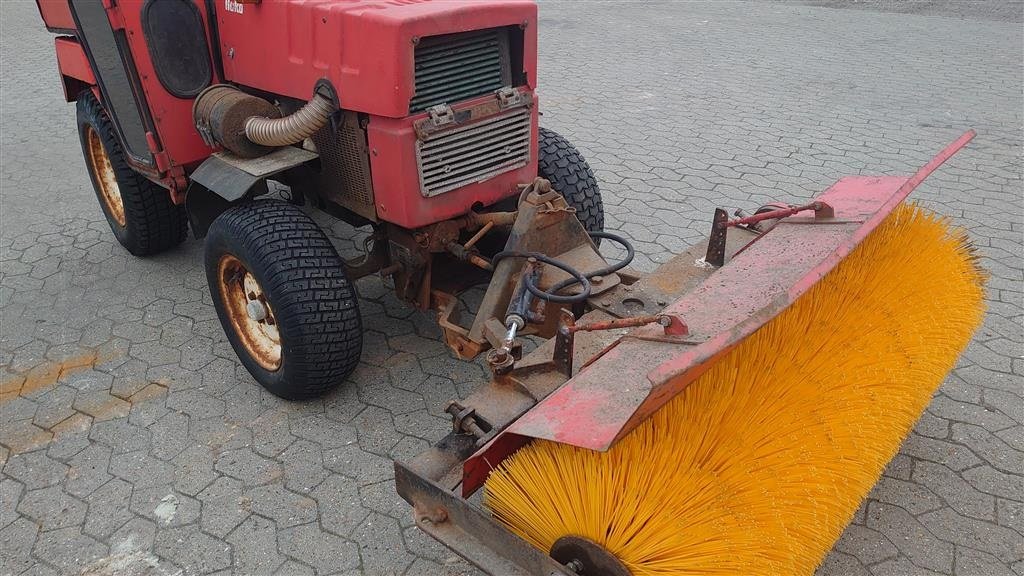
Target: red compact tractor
418	120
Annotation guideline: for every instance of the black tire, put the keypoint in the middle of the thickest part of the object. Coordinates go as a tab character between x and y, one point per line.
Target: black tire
562	164
313	303
147	222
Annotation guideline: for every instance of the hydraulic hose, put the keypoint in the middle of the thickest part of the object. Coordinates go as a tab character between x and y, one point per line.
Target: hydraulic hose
293	128
615	267
576	277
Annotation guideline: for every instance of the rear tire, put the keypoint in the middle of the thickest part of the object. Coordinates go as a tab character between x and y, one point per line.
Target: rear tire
562	164
140	213
268	258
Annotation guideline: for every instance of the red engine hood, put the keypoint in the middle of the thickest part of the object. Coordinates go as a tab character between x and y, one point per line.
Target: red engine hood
365	48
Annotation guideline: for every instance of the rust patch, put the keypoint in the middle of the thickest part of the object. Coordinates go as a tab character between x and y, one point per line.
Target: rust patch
112	407
46	375
154	390
77	422
26	437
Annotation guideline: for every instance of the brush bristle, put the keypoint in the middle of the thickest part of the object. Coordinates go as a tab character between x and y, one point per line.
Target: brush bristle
758	466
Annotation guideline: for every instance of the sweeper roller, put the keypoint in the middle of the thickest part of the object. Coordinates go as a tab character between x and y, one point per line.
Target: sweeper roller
725	414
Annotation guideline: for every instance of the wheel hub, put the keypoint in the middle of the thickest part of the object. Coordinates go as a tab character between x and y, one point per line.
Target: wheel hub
586	557
249	313
256	310
106	179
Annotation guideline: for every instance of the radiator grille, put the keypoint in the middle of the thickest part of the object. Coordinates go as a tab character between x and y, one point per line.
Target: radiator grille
455	67
473	153
345	166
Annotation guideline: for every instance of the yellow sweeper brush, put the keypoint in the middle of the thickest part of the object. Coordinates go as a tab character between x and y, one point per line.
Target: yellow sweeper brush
757	466
725	414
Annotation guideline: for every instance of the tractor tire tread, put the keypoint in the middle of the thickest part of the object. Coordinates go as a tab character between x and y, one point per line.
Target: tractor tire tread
153	222
313	300
562	164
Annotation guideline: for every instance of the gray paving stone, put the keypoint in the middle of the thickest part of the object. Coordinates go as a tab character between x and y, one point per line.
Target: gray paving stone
255	547
303	466
136	534
328	553
1013	436
248	467
193	469
141	469
972	562
353	462
339	505
196	403
991	449
219	434
88	470
992	481
52	508
165	507
901	567
283	507
841	564
224	506
296	569
109	509
270	433
381	546
24	436
376	430
54	406
16	542
35	470
10	497
1003	542
913	539
914	498
68	549
324	432
942	452
954	490
198	552
1010	513
170	435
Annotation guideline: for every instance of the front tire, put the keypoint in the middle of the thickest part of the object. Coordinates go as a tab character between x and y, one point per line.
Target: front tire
560	163
283	298
140	213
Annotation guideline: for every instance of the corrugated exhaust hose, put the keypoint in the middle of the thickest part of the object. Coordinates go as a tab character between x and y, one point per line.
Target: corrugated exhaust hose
293	128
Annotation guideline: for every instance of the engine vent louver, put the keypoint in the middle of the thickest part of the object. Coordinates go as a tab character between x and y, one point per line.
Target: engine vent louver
455	67
473	153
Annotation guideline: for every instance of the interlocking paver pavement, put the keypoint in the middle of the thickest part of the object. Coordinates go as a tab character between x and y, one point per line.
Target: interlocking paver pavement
132	441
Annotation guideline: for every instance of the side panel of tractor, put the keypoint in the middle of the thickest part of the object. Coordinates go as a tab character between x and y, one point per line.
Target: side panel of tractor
148	61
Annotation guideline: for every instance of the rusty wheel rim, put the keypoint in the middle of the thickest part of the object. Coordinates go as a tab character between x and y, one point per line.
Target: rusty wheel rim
106	179
249	313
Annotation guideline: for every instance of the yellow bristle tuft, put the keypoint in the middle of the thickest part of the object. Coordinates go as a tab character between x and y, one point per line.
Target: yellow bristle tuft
758	466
